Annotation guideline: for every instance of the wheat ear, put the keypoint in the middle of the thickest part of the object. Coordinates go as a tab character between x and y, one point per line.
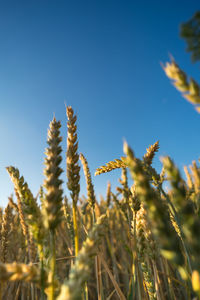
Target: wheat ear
53	196
196	176
29	211
108	194
112	165
151	151
91	201
73	169
189	88
13	204
18	271
90	187
5	232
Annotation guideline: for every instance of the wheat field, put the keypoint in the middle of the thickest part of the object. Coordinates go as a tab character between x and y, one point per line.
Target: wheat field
140	242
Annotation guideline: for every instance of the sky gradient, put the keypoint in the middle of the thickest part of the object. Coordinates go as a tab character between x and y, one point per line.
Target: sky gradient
102	58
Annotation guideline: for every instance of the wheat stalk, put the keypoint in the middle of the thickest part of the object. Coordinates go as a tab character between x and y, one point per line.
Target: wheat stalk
29	210
5	230
73	169
90	187
144	241
52	203
71	290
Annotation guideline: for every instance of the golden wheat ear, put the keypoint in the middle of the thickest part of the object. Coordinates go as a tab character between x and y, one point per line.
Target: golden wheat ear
29	210
189	88
111	165
151	151
5	230
90	187
73	167
52	202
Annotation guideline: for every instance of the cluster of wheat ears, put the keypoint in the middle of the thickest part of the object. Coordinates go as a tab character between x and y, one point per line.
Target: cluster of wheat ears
141	242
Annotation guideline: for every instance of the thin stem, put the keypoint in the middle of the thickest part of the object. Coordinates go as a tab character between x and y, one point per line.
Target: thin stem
74	209
42	278
98	266
52	265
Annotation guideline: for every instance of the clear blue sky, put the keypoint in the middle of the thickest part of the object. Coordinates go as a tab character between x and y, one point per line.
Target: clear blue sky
103	58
